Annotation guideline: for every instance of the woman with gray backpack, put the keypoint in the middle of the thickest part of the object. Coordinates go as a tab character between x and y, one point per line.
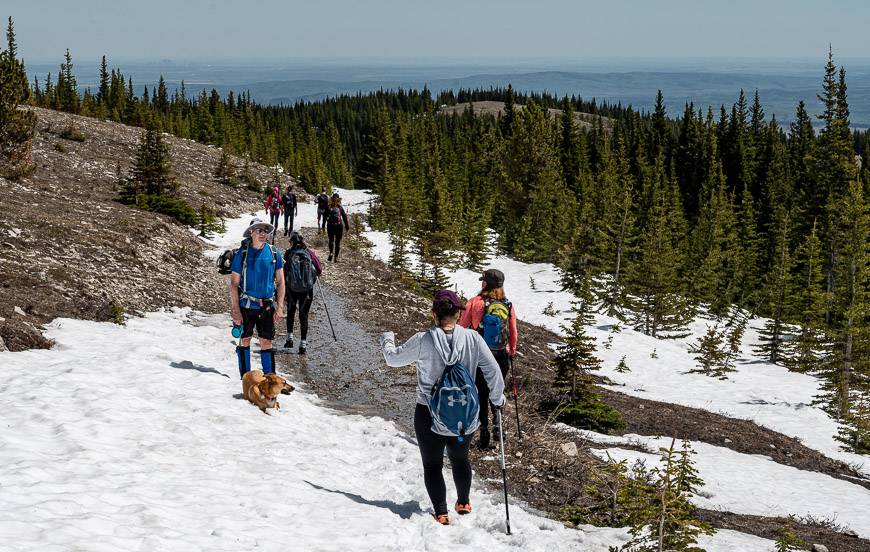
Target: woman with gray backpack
301	269
447	357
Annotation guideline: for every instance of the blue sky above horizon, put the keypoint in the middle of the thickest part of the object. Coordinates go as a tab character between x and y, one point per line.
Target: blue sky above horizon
384	30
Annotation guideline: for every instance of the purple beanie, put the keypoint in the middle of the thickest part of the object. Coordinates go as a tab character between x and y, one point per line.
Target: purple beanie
449	296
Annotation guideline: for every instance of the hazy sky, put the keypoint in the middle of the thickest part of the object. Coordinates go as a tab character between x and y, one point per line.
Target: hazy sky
380	30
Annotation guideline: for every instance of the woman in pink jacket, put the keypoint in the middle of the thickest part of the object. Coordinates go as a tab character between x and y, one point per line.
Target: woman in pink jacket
494	317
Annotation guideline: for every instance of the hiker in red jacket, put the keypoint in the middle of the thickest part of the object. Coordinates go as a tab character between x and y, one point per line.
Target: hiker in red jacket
274	206
495	318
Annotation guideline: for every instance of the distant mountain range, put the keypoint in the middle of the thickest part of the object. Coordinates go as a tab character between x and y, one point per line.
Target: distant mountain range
781	87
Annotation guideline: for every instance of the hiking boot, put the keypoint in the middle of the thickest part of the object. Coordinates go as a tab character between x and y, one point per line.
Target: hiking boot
483	443
330	257
443	519
302	346
289	343
462	509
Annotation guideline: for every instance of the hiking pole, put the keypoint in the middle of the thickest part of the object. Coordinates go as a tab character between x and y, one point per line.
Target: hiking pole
326	308
516	401
507	512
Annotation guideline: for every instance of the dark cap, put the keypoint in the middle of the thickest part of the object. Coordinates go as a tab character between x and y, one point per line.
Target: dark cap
446	295
336	196
493	277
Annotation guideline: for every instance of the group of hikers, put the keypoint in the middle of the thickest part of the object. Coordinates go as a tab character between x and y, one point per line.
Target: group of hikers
331	215
474	342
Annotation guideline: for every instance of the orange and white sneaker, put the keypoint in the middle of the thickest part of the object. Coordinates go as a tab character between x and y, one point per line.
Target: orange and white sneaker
462	509
443	519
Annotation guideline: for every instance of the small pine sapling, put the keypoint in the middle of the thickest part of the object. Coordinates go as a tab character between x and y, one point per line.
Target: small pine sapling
787	540
668	522
653	354
709	353
550	310
622	367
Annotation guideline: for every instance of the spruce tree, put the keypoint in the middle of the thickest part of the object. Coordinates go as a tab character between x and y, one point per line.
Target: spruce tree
668	521
658	305
710	353
851	297
17	126
805	351
779	293
575	357
152	167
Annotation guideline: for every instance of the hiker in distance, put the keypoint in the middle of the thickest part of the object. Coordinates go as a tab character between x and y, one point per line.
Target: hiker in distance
494	318
257	294
288	202
274	207
446	349
322	202
336	225
302	267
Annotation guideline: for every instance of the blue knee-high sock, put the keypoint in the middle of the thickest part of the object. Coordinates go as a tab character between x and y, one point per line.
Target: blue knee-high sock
244	356
268	360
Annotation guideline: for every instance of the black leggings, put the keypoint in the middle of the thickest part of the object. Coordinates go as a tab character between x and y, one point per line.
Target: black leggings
432	451
288	216
335	234
303	302
504	362
273	219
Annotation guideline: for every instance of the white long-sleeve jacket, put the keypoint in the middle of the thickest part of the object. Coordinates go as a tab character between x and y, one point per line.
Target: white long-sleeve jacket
431	351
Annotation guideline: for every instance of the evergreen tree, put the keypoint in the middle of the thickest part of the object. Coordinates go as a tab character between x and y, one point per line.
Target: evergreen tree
779	293
67	89
658	305
807	348
103	92
17	126
152	168
851	298
710	353
576	356
226	171
668	522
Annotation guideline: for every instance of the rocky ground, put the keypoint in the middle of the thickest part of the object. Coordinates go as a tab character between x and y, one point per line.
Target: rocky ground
68	248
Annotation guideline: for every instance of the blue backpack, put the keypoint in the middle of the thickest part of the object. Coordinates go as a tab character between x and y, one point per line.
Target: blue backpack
495	324
454	403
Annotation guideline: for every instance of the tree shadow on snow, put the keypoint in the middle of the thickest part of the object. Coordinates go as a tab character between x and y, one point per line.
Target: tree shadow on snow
187	365
404	510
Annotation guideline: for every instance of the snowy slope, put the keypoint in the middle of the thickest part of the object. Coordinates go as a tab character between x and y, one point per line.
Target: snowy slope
134	438
765	393
752	484
124	438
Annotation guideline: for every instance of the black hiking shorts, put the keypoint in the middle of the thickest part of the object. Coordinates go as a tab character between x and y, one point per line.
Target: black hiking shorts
261	319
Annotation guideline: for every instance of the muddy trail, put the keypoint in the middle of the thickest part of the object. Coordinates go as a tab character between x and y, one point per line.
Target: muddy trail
547	469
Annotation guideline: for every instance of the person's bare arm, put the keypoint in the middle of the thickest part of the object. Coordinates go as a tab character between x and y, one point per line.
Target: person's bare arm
235	279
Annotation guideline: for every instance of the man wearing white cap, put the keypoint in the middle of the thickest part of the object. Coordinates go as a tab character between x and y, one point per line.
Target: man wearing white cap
257	294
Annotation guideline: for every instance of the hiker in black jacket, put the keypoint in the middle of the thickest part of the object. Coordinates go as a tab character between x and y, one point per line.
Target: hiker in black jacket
290	209
322	202
299	261
335	226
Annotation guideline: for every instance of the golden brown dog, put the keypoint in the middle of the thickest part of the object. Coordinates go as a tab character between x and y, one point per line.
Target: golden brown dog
263	390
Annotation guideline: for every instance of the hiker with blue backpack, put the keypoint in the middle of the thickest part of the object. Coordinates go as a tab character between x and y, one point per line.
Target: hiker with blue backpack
257	294
495	319
446	357
302	267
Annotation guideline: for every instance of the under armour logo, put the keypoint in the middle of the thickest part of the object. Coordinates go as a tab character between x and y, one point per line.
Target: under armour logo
451	400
